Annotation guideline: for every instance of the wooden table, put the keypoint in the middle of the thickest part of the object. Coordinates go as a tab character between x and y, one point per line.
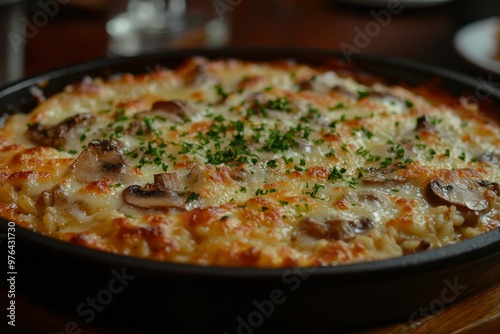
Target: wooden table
423	35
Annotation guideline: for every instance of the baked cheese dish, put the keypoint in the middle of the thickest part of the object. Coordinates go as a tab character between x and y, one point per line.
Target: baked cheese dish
235	163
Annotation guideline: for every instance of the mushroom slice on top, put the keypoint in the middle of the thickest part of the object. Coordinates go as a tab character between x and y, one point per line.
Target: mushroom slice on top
196	72
168	182
493	186
100	160
174	110
423	124
177	111
385	175
333	229
56	135
197	174
491	158
463	193
466	195
164	193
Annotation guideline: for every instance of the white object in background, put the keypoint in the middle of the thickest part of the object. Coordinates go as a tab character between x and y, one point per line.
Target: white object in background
478	43
156	14
11	49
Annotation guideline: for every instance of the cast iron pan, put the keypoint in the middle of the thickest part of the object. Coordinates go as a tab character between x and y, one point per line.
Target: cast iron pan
176	298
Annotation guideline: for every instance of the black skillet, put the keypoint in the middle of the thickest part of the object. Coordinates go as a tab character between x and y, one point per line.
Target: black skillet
177	298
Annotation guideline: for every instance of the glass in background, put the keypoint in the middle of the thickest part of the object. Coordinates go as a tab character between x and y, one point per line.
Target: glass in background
157	25
11	40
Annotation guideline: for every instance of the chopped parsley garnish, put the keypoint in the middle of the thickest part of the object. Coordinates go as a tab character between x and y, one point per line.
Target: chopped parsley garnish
336	174
264	191
362	151
298	168
362	94
272	164
409	104
330	153
339	105
352	182
280	142
386	162
186	148
120	116
221	92
193	196
280	103
435	120
432	152
367	133
150	154
314	193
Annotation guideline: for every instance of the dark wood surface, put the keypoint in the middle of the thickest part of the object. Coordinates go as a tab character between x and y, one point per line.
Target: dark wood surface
426	35
477	314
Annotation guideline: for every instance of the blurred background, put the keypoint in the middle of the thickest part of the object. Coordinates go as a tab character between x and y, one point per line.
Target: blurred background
41	35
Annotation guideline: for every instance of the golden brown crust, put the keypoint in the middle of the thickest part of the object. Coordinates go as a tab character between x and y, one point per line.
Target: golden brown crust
233	163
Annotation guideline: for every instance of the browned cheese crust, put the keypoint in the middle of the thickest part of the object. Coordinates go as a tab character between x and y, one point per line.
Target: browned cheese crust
234	163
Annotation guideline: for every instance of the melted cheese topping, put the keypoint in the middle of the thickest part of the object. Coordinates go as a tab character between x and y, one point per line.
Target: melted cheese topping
251	164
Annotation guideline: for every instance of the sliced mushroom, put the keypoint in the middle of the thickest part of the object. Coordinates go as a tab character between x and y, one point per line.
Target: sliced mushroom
306	84
466	195
422	246
251	82
135	128
491	158
256	104
365	197
494	186
150	197
345	92
383	175
196	72
239	173
56	135
100	160
163	194
198	173
174	110
384	95
333	229
168	182
461	193
423	124
177	111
